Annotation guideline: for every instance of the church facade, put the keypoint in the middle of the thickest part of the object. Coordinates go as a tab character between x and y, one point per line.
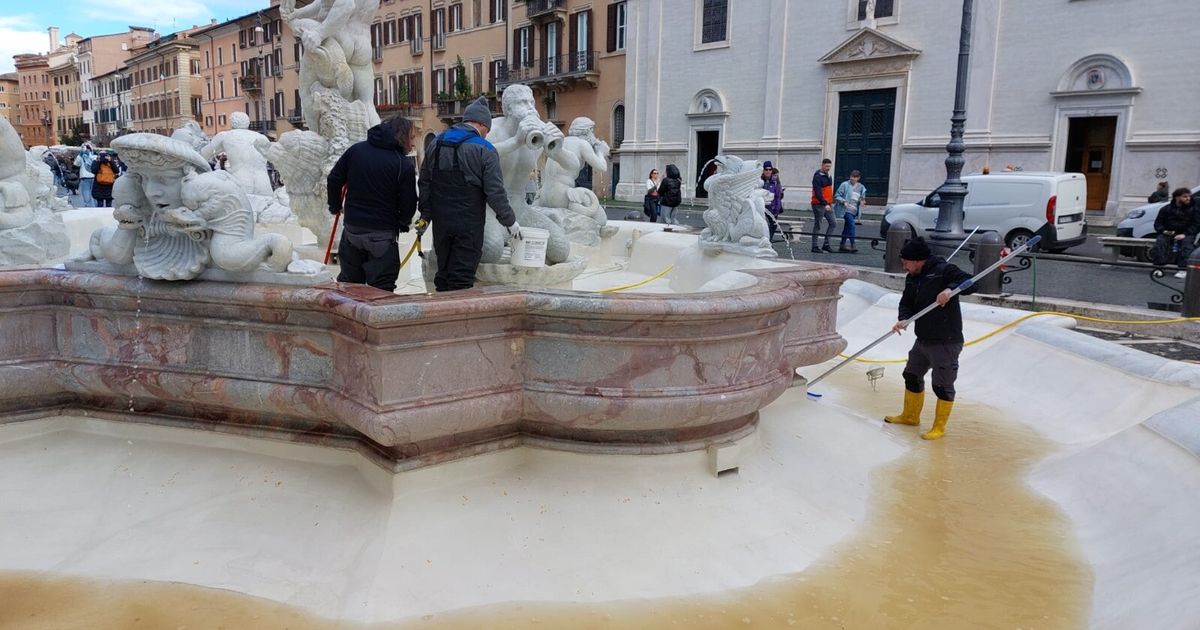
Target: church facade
1054	85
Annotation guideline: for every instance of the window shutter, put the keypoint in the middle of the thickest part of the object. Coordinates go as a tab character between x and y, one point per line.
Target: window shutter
491	11
573	63
545	46
591	35
516	57
612	27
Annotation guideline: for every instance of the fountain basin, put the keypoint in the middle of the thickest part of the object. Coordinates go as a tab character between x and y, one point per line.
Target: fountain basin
415	380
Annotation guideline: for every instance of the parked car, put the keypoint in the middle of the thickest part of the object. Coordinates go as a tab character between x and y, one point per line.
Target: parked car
1139	223
1016	205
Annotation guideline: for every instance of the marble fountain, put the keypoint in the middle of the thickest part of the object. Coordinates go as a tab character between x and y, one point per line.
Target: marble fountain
199	429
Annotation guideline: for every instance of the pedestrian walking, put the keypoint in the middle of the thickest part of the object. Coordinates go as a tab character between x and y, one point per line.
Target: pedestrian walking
1177	225
670	194
822	205
374	187
650	201
460	178
106	171
774	188
939	334
848	202
83	162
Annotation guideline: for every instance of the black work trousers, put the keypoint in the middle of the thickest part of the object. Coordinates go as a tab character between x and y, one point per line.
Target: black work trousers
372	259
458	245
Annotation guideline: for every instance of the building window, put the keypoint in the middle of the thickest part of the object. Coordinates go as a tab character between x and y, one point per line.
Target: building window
883	9
455	18
478	72
524	43
618	20
389	33
714	21
476	12
498	10
618	126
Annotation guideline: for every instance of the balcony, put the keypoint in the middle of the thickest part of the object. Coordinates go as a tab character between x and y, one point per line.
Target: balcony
439	41
415	46
262	126
251	83
377	54
450	111
387	110
543	10
295	117
562	72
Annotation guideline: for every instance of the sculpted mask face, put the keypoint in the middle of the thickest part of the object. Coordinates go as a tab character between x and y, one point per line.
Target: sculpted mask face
163	188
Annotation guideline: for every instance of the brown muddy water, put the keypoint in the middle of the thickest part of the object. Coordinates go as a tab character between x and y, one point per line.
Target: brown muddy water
953	539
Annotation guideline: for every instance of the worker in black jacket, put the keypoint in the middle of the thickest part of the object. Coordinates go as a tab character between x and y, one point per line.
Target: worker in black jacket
374	185
939	334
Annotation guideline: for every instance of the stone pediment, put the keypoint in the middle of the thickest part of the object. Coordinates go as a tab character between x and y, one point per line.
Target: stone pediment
869	44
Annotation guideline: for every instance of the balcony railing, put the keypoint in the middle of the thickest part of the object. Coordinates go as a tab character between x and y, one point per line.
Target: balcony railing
439	41
295	116
415	46
538	8
453	109
567	66
377	54
251	82
262	125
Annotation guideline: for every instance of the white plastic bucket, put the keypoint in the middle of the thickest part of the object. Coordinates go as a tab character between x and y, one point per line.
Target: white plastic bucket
530	249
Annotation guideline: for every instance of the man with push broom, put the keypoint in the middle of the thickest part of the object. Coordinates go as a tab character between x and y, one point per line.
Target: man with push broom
939	334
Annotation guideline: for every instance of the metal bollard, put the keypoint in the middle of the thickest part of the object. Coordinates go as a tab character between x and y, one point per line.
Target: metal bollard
987	252
897	237
1191	286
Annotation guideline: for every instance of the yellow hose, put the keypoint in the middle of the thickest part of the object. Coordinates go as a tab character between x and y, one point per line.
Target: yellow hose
639	283
415	246
1126	322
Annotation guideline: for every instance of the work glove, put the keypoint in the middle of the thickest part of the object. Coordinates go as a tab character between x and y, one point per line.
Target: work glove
422	225
514	231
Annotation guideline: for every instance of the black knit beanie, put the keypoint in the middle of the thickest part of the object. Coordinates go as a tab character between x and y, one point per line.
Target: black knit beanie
915	250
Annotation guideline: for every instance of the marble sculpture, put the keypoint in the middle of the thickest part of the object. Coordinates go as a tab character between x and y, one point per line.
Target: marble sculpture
336	83
176	217
245	160
520	137
736	217
31	231
583	218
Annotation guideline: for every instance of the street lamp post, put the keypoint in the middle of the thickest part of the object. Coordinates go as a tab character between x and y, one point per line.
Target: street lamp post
120	107
949	226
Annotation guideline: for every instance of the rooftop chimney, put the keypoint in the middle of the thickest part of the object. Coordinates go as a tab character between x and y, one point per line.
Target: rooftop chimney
53	30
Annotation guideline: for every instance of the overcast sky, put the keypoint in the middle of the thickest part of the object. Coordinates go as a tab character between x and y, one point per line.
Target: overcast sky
23	23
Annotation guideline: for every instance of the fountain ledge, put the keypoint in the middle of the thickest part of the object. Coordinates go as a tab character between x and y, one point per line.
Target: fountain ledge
415	381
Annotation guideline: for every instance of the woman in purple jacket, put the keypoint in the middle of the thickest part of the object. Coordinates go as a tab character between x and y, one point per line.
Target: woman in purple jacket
774	188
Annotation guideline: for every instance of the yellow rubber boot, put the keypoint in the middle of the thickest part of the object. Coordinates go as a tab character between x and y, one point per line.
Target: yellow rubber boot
913	402
940	418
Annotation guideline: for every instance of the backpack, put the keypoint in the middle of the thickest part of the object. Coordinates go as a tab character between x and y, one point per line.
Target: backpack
106	175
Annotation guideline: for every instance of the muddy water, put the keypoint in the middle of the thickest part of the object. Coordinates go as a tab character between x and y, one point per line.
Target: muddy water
954	539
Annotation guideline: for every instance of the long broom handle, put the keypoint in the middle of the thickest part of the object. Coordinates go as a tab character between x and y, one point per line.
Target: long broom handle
963	286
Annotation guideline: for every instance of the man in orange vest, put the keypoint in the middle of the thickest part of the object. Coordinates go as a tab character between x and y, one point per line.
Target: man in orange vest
822	205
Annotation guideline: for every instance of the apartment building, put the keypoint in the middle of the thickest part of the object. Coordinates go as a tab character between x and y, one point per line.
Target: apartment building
110	105
67	108
250	64
10	97
165	84
100	55
572	54
35	122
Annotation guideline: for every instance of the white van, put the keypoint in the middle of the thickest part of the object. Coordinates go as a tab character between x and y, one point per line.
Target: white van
1017	205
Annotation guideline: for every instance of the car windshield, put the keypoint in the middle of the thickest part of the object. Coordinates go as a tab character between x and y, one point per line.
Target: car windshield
932	200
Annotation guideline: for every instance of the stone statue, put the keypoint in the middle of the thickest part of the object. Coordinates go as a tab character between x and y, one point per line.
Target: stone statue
584	218
176	217
31	232
245	159
337	50
520	137
736	217
194	135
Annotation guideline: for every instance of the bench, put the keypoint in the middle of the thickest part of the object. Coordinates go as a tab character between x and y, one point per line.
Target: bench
1114	244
